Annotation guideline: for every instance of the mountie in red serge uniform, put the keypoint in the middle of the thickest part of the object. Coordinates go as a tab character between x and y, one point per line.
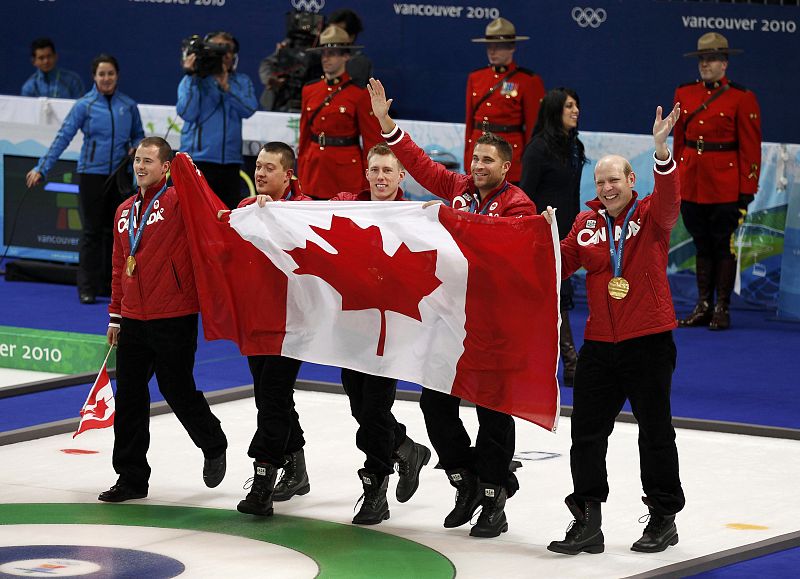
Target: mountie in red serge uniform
336	113
503	100
717	141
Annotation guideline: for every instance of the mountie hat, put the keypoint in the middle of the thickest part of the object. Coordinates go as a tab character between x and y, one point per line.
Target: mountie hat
334	37
500	30
713	43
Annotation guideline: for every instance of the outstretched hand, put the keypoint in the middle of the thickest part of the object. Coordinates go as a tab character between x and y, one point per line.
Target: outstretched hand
663	126
377	94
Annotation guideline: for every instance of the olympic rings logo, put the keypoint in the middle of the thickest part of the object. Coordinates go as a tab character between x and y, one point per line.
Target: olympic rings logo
588	17
308	5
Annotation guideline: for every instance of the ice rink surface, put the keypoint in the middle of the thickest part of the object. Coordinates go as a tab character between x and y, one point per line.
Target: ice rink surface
738	490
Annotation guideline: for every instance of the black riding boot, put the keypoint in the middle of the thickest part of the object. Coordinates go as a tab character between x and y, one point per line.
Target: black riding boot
294	480
567	346
702	312
467	497
411	457
259	500
492	520
584	534
375	507
659	533
726	277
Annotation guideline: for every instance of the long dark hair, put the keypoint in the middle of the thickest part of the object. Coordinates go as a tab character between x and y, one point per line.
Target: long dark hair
550	125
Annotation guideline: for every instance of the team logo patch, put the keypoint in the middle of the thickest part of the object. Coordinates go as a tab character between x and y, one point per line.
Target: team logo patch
591	223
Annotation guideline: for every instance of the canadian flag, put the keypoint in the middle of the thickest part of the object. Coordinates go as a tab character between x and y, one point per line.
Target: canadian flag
98	410
461	303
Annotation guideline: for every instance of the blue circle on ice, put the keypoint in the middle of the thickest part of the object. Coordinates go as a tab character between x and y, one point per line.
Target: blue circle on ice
85	561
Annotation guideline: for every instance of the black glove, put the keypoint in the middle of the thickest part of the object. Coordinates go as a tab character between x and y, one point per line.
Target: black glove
745	199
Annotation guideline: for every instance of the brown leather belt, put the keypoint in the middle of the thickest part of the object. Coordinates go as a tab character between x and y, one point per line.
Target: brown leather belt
324	140
704	146
487	127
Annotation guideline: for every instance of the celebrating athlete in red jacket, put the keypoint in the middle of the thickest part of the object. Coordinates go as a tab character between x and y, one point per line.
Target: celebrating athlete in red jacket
154	326
481	474
628	352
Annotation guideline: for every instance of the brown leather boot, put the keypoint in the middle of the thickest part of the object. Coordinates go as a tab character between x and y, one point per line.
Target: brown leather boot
726	277
703	311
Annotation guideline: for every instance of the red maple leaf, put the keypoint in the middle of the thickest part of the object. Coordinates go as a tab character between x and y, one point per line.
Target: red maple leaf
364	275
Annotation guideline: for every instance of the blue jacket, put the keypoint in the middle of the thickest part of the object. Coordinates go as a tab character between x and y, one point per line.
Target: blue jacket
58	83
212	131
110	129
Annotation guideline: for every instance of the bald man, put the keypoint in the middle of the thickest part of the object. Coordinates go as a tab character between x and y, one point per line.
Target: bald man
628	352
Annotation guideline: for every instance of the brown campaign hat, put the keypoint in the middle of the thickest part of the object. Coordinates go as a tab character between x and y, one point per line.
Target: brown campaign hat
713	43
334	37
500	30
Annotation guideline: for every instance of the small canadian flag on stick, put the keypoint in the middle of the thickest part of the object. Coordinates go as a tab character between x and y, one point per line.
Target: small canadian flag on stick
98	410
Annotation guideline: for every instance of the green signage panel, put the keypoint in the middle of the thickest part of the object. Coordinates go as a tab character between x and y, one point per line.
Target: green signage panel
51	351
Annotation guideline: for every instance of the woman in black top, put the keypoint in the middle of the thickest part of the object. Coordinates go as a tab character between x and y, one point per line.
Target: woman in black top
552	165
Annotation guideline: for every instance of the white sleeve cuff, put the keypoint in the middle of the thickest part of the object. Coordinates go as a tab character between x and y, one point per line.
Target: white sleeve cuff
393	137
664	167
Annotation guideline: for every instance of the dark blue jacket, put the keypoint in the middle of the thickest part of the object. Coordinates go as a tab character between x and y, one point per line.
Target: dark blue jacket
58	83
212	131
110	128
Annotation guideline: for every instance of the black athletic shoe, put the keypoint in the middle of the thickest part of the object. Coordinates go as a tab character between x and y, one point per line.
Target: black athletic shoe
121	492
214	470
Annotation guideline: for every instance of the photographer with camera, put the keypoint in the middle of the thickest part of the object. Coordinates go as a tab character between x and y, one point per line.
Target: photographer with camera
284	72
212	100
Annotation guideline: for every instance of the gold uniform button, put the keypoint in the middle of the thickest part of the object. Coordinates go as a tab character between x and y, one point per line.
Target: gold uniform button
722	114
474	94
322	118
353	160
308	108
488	104
702	123
730	164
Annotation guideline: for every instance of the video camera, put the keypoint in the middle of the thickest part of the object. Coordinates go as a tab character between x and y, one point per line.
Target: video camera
209	55
291	66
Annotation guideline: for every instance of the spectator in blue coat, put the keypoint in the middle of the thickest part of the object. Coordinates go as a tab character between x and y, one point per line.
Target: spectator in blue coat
49	80
111	128
213	104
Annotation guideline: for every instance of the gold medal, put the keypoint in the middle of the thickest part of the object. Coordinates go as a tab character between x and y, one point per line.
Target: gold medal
130	265
618	287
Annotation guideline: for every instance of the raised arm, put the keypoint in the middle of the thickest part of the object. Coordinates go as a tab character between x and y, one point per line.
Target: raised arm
431	175
662	128
666	198
380	105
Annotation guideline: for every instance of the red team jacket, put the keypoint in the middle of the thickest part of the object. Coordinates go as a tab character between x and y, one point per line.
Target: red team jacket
733	122
162	284
326	170
513	104
506	201
647	309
